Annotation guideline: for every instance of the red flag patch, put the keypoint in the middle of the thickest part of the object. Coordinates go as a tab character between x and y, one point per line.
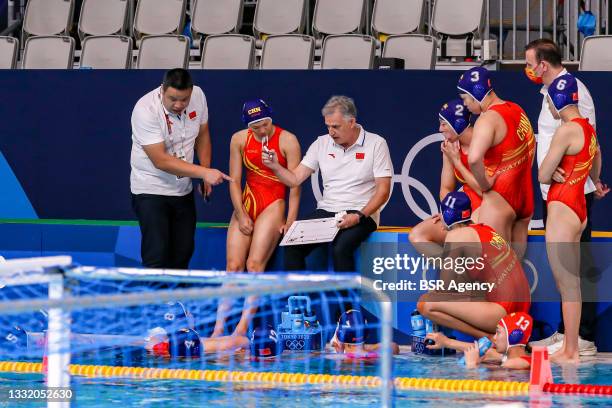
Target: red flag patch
359	156
192	114
465	214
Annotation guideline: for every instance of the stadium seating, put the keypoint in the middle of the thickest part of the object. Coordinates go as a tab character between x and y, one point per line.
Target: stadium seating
350	51
457	24
228	51
212	17
279	17
338	17
156	17
596	53
290	51
418	51
48	52
9	48
397	17
106	52
163	52
48	17
103	17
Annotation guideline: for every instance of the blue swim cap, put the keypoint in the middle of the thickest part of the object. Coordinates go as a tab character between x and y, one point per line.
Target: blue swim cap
14	339
255	110
265	343
351	327
456	207
185	343
456	115
476	83
563	92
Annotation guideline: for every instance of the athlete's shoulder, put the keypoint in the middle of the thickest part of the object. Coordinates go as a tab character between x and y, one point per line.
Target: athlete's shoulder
240	136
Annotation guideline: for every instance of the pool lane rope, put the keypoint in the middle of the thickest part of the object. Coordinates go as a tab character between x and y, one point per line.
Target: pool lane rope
277	378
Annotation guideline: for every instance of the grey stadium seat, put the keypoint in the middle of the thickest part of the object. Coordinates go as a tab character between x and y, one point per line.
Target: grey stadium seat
338	17
103	17
228	51
418	51
351	51
596	53
279	17
397	17
463	20
163	52
156	17
48	17
9	49
289	51
212	17
48	52
106	52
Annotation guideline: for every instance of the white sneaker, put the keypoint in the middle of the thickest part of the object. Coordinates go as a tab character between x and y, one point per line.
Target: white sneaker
585	347
556	337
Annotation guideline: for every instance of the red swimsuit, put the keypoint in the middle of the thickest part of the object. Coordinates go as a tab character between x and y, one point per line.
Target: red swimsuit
475	199
502	267
577	168
262	186
512	160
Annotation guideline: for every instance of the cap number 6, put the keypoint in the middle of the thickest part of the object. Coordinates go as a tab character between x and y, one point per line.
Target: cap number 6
561	84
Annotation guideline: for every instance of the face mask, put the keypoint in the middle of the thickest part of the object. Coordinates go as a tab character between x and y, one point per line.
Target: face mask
533	77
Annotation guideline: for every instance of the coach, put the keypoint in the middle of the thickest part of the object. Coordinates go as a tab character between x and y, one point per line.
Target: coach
169	125
543	65
356	169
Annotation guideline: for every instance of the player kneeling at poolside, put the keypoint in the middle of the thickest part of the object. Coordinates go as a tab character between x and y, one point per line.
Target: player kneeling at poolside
494	262
355	339
511	337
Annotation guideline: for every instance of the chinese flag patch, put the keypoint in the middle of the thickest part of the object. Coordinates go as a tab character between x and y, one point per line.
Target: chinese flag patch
192	114
359	156
465	213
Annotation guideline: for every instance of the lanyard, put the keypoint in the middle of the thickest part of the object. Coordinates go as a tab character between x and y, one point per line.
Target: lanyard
170	136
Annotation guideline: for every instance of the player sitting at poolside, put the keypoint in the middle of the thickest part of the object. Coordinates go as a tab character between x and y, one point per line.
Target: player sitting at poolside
455	127
498	283
511	337
353	337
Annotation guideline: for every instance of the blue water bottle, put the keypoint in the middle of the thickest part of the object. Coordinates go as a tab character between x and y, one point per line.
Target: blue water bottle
418	324
483	345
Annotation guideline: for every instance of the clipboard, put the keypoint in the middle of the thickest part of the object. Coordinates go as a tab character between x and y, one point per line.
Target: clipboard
313	231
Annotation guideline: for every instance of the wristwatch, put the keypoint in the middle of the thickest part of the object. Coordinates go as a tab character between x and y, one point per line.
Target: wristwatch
360	214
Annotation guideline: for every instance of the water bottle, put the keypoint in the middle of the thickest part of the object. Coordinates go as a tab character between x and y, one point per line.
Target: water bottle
483	345
418	324
285	322
296	320
431	327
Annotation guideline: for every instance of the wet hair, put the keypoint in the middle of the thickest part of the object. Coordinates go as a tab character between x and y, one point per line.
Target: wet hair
177	78
546	50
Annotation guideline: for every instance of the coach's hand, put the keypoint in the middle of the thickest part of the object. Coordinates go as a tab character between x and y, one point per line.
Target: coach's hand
348	221
270	159
214	177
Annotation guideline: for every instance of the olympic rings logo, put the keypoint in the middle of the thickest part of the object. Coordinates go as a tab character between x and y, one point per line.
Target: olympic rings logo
294	344
406	182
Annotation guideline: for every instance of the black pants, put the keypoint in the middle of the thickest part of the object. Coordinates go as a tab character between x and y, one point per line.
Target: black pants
167	226
343	247
589	274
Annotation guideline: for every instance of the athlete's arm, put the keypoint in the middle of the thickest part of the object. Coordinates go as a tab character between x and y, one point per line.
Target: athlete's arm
380	197
516	363
235	169
558	147
595	172
482	139
291	150
447	178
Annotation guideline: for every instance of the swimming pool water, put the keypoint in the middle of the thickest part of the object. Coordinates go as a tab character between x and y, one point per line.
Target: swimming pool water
165	393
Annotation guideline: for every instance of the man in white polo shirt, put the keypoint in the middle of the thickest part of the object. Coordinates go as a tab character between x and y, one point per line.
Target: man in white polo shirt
356	169
169	125
543	65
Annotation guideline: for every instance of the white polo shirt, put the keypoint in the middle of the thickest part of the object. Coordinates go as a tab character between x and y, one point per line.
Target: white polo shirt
547	125
151	124
348	175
